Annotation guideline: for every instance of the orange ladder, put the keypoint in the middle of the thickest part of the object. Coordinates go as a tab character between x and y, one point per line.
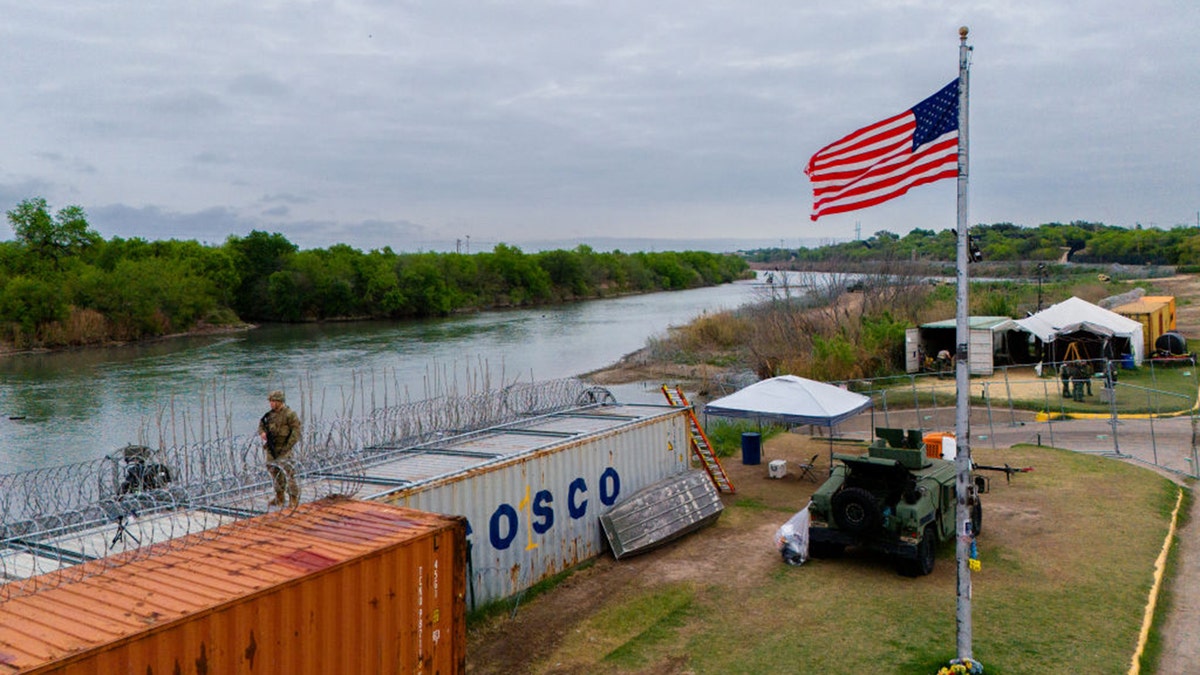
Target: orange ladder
700	444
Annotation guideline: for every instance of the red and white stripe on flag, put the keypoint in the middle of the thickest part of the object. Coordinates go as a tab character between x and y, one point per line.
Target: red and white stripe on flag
886	159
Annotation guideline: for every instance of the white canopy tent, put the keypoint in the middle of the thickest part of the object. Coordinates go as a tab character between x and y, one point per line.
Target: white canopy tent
792	400
1074	315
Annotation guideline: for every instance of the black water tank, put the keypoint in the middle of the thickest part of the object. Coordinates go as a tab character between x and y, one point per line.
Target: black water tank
1171	343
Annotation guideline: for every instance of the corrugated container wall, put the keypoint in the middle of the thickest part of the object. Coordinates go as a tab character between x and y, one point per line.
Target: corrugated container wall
981	353
533	515
339	586
1168	316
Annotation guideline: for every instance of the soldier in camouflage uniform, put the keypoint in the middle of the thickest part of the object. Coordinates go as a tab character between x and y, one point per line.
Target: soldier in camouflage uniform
280	430
1079	378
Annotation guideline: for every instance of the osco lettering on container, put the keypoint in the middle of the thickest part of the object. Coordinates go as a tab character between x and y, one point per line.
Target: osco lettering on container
505	521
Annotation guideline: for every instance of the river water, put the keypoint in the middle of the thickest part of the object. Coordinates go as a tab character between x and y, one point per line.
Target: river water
64	407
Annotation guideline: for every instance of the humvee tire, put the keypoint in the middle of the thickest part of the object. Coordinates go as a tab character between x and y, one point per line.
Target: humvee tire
856	510
922	565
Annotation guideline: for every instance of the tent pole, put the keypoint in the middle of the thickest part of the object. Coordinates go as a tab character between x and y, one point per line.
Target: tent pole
831	451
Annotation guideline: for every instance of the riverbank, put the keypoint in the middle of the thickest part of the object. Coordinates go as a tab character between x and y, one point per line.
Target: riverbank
203	328
641	366
7	349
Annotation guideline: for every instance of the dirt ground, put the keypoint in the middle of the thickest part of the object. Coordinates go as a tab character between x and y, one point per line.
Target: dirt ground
519	643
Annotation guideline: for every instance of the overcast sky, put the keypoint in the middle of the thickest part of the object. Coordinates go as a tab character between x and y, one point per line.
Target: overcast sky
416	124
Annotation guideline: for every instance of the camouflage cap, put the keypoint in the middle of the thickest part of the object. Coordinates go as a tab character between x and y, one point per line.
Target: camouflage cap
275	396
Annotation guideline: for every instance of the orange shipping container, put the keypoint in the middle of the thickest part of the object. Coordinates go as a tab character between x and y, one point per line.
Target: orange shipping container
337	586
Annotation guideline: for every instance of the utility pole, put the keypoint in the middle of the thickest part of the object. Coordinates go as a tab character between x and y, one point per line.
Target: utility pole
1041	271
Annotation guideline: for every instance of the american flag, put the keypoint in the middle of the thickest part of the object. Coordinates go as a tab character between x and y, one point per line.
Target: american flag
883	160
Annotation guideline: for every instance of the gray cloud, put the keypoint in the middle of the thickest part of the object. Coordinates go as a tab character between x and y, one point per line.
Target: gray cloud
375	124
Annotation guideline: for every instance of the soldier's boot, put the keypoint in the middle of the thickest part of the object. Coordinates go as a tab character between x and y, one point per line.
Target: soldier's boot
276	501
293	501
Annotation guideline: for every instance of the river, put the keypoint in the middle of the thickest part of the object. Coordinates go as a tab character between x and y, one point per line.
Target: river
65	407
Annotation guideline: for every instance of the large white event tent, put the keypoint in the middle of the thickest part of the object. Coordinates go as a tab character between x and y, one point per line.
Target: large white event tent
1073	315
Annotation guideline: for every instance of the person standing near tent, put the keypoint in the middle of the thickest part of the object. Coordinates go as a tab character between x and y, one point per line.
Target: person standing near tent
1078	378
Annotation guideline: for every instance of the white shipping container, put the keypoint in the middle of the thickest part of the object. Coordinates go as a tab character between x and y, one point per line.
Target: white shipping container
532	492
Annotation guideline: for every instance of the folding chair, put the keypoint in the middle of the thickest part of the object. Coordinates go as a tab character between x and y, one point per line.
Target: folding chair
807	469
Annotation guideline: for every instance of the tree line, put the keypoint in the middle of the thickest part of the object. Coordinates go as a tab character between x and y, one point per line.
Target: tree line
62	284
1080	242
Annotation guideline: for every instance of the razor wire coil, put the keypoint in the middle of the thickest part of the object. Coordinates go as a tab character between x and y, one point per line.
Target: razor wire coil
63	523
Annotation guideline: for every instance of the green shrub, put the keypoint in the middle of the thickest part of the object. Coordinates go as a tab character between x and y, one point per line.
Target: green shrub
30	302
725	436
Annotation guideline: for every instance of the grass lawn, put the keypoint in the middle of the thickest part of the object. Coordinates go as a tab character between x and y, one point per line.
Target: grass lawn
1160	390
1067	550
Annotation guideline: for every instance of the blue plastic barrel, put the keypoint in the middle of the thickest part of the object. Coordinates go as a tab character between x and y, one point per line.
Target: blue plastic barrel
751	448
1127	361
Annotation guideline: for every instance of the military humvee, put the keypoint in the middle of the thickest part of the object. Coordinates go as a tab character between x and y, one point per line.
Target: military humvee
893	500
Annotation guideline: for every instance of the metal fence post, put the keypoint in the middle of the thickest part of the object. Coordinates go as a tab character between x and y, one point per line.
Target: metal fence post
1062	404
987	399
1049	417
1195	457
916	398
1012	412
1153	413
1112	416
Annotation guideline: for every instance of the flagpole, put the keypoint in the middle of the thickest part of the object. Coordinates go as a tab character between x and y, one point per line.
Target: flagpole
962	372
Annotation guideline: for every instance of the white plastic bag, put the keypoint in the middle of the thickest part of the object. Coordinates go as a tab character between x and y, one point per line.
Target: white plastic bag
792	538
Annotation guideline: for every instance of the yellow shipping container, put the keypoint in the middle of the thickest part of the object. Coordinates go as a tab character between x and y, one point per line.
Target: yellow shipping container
1156	313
